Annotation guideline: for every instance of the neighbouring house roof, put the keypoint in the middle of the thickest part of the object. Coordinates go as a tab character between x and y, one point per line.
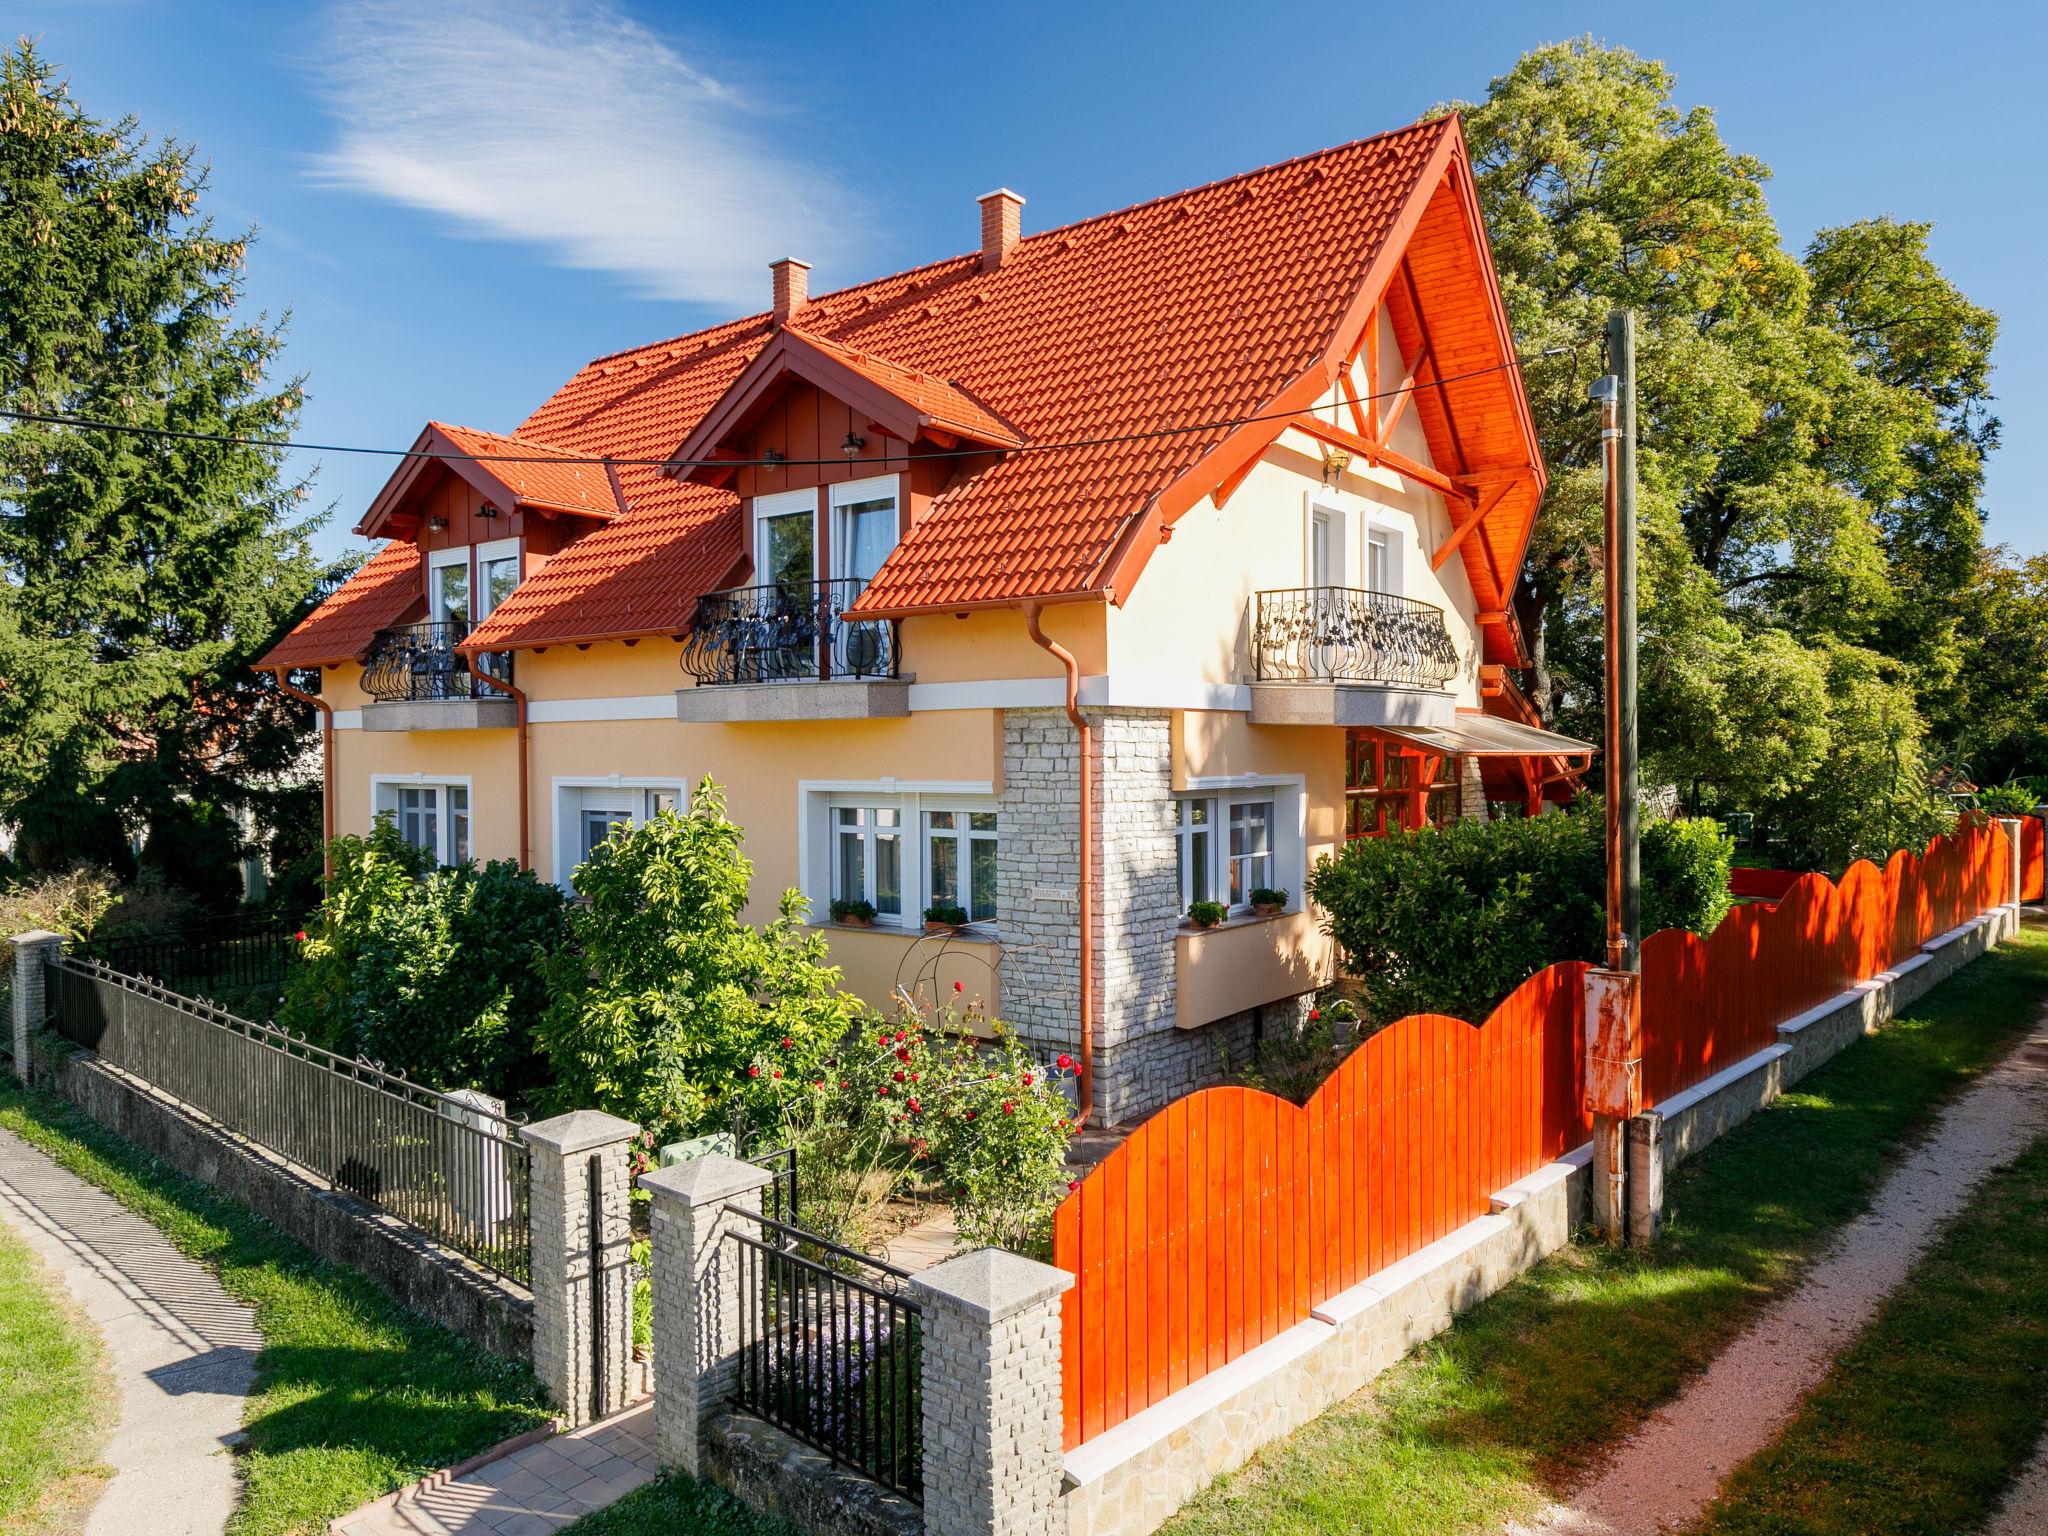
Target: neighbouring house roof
1477	734
382	592
1111	364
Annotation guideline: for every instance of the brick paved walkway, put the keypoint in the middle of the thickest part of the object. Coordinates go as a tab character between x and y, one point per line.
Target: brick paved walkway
528	1493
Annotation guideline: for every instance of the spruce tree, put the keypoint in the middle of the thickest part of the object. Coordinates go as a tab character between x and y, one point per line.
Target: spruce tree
140	573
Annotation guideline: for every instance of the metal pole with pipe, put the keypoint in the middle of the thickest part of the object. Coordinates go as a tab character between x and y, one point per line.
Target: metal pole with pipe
1613	1002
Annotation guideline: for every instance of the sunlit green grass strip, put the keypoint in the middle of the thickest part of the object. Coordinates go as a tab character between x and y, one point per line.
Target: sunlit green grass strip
56	1402
1491	1419
355	1395
1924	1419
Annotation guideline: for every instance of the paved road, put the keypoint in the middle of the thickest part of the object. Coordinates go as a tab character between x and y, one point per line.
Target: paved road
182	1350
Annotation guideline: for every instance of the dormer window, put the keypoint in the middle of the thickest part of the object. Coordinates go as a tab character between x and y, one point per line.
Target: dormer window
865	524
785	539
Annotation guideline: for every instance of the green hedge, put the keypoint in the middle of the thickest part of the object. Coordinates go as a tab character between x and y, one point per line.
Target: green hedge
1453	919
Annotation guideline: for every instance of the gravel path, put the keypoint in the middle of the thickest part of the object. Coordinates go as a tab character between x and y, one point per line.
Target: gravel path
2025	1509
1660	1478
181	1348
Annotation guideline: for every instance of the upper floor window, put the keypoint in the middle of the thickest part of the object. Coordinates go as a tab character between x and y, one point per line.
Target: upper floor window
785	539
448	587
1251	849
864	526
1194	838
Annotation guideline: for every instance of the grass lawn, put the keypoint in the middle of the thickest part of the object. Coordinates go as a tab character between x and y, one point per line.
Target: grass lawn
56	1402
1522	1394
354	1394
1925	1417
678	1506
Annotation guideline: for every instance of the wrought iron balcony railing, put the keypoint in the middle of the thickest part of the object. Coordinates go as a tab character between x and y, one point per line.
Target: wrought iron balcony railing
419	661
789	632
1340	635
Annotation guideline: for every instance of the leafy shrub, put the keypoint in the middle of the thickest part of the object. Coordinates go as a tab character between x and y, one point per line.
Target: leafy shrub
951	916
433	972
670	1010
1452	919
2007	800
1207	914
73	904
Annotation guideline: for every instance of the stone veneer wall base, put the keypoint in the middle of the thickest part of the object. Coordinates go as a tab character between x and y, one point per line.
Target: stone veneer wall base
779	1476
492	1313
1128	1481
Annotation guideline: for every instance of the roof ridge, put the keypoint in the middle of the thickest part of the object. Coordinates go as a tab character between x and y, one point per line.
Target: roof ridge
1420	125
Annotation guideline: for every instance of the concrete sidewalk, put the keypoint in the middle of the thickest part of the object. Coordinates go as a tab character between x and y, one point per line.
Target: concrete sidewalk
182	1350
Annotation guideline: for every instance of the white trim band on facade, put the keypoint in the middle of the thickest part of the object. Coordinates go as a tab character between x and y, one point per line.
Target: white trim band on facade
638	706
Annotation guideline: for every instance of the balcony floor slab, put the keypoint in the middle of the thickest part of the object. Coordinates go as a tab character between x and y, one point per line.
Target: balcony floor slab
1349	704
440	715
853	698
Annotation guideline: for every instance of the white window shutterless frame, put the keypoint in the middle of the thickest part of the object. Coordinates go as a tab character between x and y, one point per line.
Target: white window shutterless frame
497	575
448	596
431	817
867	857
785	539
865	522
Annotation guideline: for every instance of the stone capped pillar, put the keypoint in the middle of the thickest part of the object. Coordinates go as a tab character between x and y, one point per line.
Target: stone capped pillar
582	1310
697	1296
2015	866
993	1464
32	952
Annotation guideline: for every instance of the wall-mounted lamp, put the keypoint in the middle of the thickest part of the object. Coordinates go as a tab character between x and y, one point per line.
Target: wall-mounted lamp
1335	462
853	445
437	524
487	511
772	456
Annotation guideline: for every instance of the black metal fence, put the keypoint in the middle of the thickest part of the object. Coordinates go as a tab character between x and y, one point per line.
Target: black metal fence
787	633
831	1350
1341	635
445	1163
420	661
238	962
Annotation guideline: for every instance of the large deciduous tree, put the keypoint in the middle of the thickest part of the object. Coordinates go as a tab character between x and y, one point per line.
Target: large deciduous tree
140	574
1812	438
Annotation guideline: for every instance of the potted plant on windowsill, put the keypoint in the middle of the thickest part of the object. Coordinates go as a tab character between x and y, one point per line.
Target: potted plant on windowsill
1207	914
944	918
1268	902
854	914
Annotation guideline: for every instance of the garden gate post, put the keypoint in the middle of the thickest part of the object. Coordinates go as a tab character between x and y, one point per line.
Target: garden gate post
696	1296
2016	869
1613	1018
33	951
993	1462
582	1240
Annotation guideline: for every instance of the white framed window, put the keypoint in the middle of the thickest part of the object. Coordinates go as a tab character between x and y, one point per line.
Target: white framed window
867	857
448	596
1194	839
433	817
497	575
903	845
785	539
960	861
1251	849
1385	558
587	811
1233	836
864	526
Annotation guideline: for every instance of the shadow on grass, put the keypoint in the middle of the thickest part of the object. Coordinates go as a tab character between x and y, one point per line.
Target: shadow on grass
354	1394
1522	1396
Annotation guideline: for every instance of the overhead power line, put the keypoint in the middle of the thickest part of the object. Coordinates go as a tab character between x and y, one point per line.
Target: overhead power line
1229	423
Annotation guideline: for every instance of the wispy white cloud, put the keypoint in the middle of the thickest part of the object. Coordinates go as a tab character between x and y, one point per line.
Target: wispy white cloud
574	127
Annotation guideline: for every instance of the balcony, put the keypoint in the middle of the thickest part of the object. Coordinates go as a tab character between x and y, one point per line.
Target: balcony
421	682
1338	656
783	652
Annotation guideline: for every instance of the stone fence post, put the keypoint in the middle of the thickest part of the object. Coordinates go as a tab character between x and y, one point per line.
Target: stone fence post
32	952
582	1321
2015	865
993	1464
696	1296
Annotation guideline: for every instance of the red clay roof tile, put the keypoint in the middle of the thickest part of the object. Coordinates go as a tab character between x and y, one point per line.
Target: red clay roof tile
378	595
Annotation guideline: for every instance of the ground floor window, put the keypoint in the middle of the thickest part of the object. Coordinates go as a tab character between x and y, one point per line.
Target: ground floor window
1228	845
433	818
902	851
1389	785
587	814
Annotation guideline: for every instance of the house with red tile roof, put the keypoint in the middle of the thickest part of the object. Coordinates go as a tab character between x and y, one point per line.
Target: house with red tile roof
1051	588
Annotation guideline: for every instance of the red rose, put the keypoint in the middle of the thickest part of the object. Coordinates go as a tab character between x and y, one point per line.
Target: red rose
1073	1185
900	1037
898	1076
970	1114
1064	1062
819	1083
1027	1079
300	935
883	1091
843	1083
778	1072
913	1077
958	986
902	1053
785	1042
753	1071
915	1108
1008	1106
1314	1014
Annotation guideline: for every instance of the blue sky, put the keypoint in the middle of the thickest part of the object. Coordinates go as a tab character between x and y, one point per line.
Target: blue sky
460	201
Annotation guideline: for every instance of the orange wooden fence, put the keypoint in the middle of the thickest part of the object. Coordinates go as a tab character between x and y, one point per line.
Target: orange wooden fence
2033	859
1228	1215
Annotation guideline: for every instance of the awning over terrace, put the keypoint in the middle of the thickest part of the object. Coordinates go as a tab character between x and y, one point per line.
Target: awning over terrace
1480	735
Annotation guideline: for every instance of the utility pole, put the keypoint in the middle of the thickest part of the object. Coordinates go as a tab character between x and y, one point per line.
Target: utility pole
1614	1055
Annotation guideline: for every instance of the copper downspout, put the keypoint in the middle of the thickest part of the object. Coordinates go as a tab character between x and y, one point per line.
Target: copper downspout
1082	730
504	685
326	766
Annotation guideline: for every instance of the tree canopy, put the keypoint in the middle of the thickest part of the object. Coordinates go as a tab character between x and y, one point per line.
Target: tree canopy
1812	435
140	573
